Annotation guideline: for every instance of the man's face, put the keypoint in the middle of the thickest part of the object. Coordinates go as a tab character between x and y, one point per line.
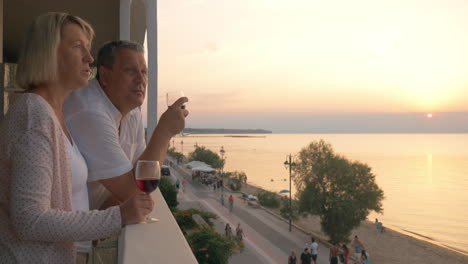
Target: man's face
125	84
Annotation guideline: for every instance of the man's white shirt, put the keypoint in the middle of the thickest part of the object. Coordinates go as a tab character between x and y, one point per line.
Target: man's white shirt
109	143
313	248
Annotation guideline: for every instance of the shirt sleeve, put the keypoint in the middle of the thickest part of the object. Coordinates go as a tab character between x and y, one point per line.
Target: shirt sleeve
97	138
140	138
32	178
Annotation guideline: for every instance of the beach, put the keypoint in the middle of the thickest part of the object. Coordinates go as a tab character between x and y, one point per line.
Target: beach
389	247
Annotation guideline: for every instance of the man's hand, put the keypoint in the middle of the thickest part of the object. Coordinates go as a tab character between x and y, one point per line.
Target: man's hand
172	121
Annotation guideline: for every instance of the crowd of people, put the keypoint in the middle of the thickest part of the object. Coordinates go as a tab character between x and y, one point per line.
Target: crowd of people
208	179
336	254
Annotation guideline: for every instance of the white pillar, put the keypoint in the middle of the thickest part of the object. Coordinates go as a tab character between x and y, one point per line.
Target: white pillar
2	72
125	13
152	42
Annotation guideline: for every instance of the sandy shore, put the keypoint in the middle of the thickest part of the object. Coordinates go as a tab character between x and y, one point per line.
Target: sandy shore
390	247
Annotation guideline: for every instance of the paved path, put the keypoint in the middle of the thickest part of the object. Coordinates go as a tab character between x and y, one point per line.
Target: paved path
267	239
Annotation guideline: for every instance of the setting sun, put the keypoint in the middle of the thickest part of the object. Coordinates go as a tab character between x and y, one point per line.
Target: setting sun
429	115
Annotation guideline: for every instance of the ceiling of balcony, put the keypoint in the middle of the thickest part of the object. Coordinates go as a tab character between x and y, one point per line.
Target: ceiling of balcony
103	15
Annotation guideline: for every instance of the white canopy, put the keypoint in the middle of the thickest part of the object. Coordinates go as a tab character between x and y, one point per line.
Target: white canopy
206	168
199	166
196	163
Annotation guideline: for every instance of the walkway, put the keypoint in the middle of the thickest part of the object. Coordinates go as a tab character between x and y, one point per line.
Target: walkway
267	239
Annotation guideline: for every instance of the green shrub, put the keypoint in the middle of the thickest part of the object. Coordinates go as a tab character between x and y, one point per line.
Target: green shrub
236	179
169	193
207	216
268	199
235	184
285	212
209	247
184	220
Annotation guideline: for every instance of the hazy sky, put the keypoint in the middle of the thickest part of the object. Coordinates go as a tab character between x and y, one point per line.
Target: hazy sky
317	66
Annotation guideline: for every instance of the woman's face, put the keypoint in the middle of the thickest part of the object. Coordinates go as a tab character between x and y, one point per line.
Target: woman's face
74	57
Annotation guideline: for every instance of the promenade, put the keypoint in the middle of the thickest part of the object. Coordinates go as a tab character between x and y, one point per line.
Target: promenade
266	237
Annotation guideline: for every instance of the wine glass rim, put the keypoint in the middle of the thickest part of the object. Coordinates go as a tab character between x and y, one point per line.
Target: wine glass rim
149	161
151	178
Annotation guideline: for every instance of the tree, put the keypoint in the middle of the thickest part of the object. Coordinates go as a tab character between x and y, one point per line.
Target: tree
173	153
207	156
341	192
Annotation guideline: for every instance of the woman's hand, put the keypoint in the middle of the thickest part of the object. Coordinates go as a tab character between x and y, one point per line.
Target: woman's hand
135	209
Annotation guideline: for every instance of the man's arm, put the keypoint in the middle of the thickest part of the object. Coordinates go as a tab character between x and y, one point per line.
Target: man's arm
171	122
121	187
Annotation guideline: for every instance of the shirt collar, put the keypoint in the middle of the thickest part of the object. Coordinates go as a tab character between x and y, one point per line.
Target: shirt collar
115	113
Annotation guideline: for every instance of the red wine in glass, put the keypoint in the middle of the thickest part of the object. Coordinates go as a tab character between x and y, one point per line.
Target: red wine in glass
148	185
147	177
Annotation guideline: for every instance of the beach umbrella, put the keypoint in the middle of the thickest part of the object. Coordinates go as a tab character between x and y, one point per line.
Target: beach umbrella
284	191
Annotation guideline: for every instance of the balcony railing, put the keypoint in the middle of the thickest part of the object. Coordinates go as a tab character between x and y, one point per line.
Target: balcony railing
160	242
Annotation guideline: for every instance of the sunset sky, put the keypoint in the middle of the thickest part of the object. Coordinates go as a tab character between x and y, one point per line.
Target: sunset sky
317	66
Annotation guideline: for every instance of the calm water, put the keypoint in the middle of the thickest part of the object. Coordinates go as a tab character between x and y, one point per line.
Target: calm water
424	176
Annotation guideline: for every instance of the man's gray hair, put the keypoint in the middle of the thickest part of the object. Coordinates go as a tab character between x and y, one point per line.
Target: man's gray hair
108	52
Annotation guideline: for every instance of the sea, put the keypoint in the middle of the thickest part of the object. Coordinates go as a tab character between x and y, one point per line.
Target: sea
424	176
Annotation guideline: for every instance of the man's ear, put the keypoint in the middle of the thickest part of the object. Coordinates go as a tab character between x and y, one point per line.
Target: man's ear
103	76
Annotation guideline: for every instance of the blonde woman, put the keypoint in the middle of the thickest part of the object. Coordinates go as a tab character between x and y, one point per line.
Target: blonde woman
38	157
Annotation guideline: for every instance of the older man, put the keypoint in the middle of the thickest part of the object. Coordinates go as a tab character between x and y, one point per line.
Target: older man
106	123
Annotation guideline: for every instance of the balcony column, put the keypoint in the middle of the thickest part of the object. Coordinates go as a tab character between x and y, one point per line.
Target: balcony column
152	44
125	14
2	88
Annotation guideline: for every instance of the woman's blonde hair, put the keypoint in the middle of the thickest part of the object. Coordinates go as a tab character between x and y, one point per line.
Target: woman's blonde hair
38	55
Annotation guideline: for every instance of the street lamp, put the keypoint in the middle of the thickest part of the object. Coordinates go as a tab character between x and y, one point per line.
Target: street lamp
289	163
182	147
222	151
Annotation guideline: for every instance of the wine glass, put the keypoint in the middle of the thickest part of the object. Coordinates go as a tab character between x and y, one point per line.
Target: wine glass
173	96
147	176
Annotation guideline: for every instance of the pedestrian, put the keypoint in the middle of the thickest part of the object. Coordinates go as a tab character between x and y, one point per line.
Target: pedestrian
379	226
334	251
364	258
228	230
231	203
184	184
314	250
222	199
344	256
358	247
177	185
239	232
292	258
306	257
